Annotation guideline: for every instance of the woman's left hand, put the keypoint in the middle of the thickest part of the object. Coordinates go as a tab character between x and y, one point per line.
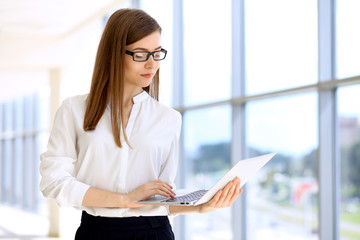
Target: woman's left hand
223	198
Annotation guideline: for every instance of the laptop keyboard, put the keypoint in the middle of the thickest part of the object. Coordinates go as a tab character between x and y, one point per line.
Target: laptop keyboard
193	196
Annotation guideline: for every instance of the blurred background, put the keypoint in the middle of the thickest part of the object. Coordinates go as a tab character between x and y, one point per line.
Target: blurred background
249	77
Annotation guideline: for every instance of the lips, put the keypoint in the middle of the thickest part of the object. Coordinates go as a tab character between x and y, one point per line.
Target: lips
147	75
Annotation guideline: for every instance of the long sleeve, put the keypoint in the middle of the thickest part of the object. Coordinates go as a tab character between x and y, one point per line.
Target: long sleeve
57	163
169	167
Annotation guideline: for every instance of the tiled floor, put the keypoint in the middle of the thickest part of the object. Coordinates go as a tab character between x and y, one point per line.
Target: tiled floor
16	224
21	225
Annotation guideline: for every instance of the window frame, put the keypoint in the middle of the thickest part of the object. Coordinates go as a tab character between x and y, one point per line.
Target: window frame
325	87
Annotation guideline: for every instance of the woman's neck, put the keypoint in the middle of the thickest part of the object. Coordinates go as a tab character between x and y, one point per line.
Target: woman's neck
129	95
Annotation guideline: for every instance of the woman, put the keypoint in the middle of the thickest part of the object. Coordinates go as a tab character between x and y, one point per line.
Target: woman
118	145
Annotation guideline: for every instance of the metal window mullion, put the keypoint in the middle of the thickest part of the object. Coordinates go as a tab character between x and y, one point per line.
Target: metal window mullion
1	170
178	93
1	151
14	155
36	117
135	3
34	158
327	172
237	153
238	123
327	85
34	182
178	55
10	160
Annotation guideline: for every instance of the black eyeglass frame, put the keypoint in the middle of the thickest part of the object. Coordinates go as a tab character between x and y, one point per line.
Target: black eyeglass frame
147	56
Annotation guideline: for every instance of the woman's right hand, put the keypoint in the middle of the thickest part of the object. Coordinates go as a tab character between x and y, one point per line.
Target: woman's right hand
147	190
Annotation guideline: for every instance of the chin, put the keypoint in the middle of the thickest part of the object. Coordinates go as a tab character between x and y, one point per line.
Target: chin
146	84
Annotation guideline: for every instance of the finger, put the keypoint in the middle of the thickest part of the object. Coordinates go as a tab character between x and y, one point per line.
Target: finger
166	188
230	194
164	191
167	192
236	180
236	193
226	189
160	184
224	194
214	201
169	189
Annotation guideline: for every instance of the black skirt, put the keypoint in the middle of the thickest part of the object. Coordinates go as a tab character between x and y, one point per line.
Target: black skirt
129	228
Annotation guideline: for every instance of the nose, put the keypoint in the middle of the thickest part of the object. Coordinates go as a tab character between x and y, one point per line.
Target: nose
151	63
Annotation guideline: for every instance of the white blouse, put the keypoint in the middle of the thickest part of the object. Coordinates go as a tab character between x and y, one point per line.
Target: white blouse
76	160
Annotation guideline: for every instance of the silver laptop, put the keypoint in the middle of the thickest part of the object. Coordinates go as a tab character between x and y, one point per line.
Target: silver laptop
244	169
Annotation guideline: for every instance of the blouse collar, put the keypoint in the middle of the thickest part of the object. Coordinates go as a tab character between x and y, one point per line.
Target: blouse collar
137	99
140	97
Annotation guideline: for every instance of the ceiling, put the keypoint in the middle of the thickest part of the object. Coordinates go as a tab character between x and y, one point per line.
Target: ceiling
39	35
29	28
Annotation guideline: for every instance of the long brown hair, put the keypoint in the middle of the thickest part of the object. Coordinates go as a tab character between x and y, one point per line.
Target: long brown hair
124	27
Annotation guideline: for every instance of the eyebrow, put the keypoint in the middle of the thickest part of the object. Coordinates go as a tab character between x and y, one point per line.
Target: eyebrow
145	49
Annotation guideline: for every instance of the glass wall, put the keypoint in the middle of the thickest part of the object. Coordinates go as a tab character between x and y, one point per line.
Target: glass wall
280	44
282	198
207	51
257	76
207	137
348	38
162	11
349	144
206	132
23	136
6	153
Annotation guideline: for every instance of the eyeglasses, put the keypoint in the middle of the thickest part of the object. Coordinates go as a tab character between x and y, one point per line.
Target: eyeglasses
144	56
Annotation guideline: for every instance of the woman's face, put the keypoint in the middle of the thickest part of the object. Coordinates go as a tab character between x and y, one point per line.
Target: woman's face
140	74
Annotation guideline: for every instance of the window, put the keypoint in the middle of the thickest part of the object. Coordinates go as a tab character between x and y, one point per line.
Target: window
281	44
7	153
207	51
348	38
23	136
349	143
17	198
282	198
207	135
274	90
162	11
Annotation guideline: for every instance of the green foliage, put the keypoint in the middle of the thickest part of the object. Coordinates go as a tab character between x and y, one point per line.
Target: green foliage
212	158
354	163
350	217
350	171
309	164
